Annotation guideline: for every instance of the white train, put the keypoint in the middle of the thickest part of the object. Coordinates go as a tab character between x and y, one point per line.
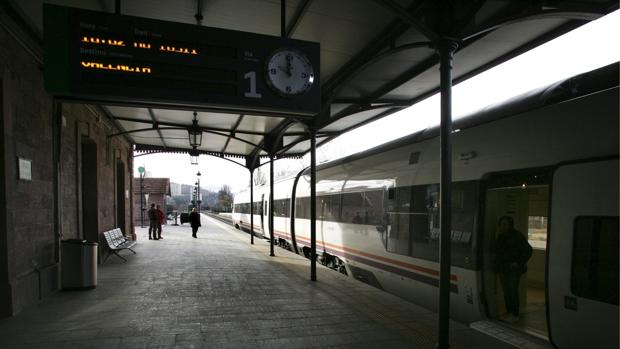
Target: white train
549	159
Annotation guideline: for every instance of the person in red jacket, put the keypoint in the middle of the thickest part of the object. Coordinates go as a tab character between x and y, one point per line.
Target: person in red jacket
161	219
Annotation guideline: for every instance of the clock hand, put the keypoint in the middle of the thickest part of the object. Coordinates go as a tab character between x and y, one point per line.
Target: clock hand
288	68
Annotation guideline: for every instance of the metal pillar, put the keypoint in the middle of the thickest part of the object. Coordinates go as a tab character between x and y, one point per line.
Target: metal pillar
142	200
312	205
446	50
252	206
271	205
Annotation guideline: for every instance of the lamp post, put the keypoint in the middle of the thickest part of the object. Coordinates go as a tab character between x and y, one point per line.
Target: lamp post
198	196
141	171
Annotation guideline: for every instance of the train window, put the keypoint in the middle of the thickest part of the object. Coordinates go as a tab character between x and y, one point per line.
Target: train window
328	207
258	208
302	207
594	273
413	223
281	208
352	208
373	207
242	208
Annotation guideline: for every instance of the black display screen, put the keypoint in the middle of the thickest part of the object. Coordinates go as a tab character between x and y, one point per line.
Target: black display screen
107	57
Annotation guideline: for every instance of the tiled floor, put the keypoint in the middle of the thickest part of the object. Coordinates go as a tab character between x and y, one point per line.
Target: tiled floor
218	291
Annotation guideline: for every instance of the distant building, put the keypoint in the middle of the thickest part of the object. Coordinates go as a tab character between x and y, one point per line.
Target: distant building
157	189
175	189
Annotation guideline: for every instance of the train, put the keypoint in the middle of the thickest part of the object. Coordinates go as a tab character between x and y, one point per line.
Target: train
547	158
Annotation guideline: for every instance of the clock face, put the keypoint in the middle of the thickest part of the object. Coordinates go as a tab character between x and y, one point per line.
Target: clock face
289	72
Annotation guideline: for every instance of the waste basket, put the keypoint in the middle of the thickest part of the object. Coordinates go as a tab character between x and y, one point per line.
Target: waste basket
184	217
79	264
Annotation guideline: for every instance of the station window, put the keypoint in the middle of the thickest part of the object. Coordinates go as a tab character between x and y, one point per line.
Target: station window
595	269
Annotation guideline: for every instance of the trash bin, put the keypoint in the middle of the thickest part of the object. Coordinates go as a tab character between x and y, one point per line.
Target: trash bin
184	217
79	264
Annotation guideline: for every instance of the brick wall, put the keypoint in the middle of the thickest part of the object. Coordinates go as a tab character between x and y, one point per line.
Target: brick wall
28	230
86	123
35	214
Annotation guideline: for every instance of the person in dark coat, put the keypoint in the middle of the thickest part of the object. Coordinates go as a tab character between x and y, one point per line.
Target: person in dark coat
153	222
194	221
161	220
512	251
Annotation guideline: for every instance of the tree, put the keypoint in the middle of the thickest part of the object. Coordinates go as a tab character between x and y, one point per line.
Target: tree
224	198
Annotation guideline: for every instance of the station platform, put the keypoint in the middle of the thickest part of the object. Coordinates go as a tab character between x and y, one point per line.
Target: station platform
218	291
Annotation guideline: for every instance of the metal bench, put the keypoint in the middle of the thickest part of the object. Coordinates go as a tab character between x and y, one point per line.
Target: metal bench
116	242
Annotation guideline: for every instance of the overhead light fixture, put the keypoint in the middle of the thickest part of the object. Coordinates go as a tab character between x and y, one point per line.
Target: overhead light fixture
195	133
193	156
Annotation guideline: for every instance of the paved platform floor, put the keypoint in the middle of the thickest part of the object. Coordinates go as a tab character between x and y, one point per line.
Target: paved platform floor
218	291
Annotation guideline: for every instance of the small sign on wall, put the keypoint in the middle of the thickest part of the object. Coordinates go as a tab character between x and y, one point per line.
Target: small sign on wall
24	169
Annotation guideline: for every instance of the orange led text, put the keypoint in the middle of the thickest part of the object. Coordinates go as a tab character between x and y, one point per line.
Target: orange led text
182	50
116	67
100	41
141	45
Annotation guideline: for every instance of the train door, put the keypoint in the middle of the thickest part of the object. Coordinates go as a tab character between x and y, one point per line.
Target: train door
525	198
583	258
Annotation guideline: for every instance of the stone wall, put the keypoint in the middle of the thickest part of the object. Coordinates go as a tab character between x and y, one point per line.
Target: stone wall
86	123
28	230
36	214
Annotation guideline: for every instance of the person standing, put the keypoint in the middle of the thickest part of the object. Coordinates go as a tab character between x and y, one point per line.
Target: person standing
153	221
194	221
512	251
161	219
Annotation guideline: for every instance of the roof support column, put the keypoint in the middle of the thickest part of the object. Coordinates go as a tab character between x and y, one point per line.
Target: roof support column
271	170
252	206
312	204
446	48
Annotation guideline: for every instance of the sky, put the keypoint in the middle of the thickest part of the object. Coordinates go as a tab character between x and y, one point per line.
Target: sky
586	48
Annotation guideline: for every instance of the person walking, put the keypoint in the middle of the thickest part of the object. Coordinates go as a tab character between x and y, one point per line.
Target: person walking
194	221
512	251
153	219
161	219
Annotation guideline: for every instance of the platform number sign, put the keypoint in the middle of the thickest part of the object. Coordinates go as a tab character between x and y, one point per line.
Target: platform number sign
251	93
103	57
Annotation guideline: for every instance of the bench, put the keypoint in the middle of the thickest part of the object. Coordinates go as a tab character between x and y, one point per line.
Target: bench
116	241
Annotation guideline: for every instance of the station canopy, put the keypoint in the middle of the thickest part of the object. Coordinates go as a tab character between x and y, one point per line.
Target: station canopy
376	57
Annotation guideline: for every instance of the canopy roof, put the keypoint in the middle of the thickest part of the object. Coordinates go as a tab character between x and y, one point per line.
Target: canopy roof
377	57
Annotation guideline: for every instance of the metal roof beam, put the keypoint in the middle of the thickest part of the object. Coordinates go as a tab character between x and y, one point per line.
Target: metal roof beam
374	47
172	124
297	17
232	132
156	126
381	91
404	14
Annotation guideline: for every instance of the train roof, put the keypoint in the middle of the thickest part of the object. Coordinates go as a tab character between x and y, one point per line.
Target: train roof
561	91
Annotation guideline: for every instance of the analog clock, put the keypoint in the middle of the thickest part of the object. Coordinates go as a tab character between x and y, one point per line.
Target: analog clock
289	72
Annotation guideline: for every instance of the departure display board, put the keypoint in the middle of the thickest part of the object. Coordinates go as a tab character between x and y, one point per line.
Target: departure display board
103	57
